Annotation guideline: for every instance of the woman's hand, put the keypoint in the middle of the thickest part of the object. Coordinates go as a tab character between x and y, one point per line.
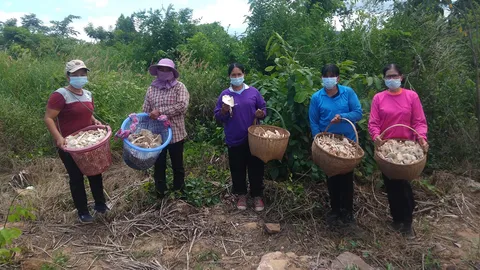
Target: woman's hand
423	143
337	119
378	141
259	114
60	142
96	122
154	114
225	109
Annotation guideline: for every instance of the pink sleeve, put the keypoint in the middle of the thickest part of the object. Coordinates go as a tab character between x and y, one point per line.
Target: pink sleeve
374	120
419	122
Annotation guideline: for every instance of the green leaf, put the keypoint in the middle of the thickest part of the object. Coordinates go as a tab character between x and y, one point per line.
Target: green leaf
300	97
274	172
10	234
378	83
369	81
269	68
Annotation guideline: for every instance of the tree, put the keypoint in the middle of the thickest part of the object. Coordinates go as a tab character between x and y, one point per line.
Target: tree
10	22
33	24
63	28
98	33
467	14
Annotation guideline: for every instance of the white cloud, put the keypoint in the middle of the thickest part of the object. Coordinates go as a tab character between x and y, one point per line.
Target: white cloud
228	13
58	9
10	15
104	21
98	3
8	4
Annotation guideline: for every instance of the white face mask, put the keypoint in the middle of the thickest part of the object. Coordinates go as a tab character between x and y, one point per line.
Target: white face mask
393	84
329	83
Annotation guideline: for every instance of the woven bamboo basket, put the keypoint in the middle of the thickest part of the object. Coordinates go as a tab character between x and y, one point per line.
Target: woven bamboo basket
333	165
400	171
267	149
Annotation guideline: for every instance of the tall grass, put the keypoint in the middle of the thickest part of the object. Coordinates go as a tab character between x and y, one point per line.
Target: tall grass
118	89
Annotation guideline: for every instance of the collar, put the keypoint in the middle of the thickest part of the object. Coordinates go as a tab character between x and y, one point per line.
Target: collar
341	89
245	87
395	94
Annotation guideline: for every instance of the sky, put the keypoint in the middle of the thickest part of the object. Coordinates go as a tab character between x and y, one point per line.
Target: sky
230	13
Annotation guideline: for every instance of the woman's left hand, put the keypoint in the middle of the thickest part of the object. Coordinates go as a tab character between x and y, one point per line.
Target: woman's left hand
337	119
423	143
259	114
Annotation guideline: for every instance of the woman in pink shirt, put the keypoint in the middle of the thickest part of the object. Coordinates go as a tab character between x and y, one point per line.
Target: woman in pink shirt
397	105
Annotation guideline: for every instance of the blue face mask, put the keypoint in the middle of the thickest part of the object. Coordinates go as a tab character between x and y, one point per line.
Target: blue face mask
393	84
236	81
78	82
329	83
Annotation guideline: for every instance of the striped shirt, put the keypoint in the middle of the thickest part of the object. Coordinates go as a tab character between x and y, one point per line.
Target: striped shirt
173	103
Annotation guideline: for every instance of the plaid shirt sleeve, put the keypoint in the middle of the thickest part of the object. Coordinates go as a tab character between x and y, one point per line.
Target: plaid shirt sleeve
180	107
147	107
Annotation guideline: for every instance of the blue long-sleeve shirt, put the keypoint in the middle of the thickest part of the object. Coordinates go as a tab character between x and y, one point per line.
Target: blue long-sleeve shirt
324	108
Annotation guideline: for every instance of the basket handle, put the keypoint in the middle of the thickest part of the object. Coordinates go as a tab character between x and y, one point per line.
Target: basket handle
281	118
398	125
354	129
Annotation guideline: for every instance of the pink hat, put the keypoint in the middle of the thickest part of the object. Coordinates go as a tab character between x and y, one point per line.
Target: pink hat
165	62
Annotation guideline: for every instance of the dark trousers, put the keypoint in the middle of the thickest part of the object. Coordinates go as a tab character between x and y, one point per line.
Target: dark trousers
176	157
77	186
400	198
340	189
240	160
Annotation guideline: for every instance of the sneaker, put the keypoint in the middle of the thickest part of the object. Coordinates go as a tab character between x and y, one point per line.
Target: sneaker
347	218
258	204
101	208
85	218
396	226
407	231
242	202
333	217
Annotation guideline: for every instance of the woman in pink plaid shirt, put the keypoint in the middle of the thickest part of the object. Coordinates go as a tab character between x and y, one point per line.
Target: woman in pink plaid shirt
167	96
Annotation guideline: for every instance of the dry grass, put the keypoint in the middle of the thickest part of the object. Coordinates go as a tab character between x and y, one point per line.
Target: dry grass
175	235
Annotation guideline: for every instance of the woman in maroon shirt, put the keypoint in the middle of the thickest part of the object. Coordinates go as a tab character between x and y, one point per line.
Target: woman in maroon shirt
70	109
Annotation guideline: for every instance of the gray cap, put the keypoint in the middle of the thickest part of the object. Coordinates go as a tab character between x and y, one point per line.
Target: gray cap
75	65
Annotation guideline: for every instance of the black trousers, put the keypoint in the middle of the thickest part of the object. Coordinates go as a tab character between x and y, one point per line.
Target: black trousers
176	157
77	186
400	198
240	160
340	189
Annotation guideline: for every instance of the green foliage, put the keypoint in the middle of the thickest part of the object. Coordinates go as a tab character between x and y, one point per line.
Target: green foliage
432	263
285	45
288	90
8	235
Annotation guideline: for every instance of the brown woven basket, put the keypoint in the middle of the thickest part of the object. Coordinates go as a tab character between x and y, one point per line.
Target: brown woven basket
330	164
400	171
267	149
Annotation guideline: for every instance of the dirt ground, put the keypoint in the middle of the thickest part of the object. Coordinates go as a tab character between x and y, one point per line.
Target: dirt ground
172	234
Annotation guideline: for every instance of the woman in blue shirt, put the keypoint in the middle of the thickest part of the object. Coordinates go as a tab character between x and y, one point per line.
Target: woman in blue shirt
329	105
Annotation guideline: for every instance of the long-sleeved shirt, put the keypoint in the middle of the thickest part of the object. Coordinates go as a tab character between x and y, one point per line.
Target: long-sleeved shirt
246	104
324	108
400	108
172	102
